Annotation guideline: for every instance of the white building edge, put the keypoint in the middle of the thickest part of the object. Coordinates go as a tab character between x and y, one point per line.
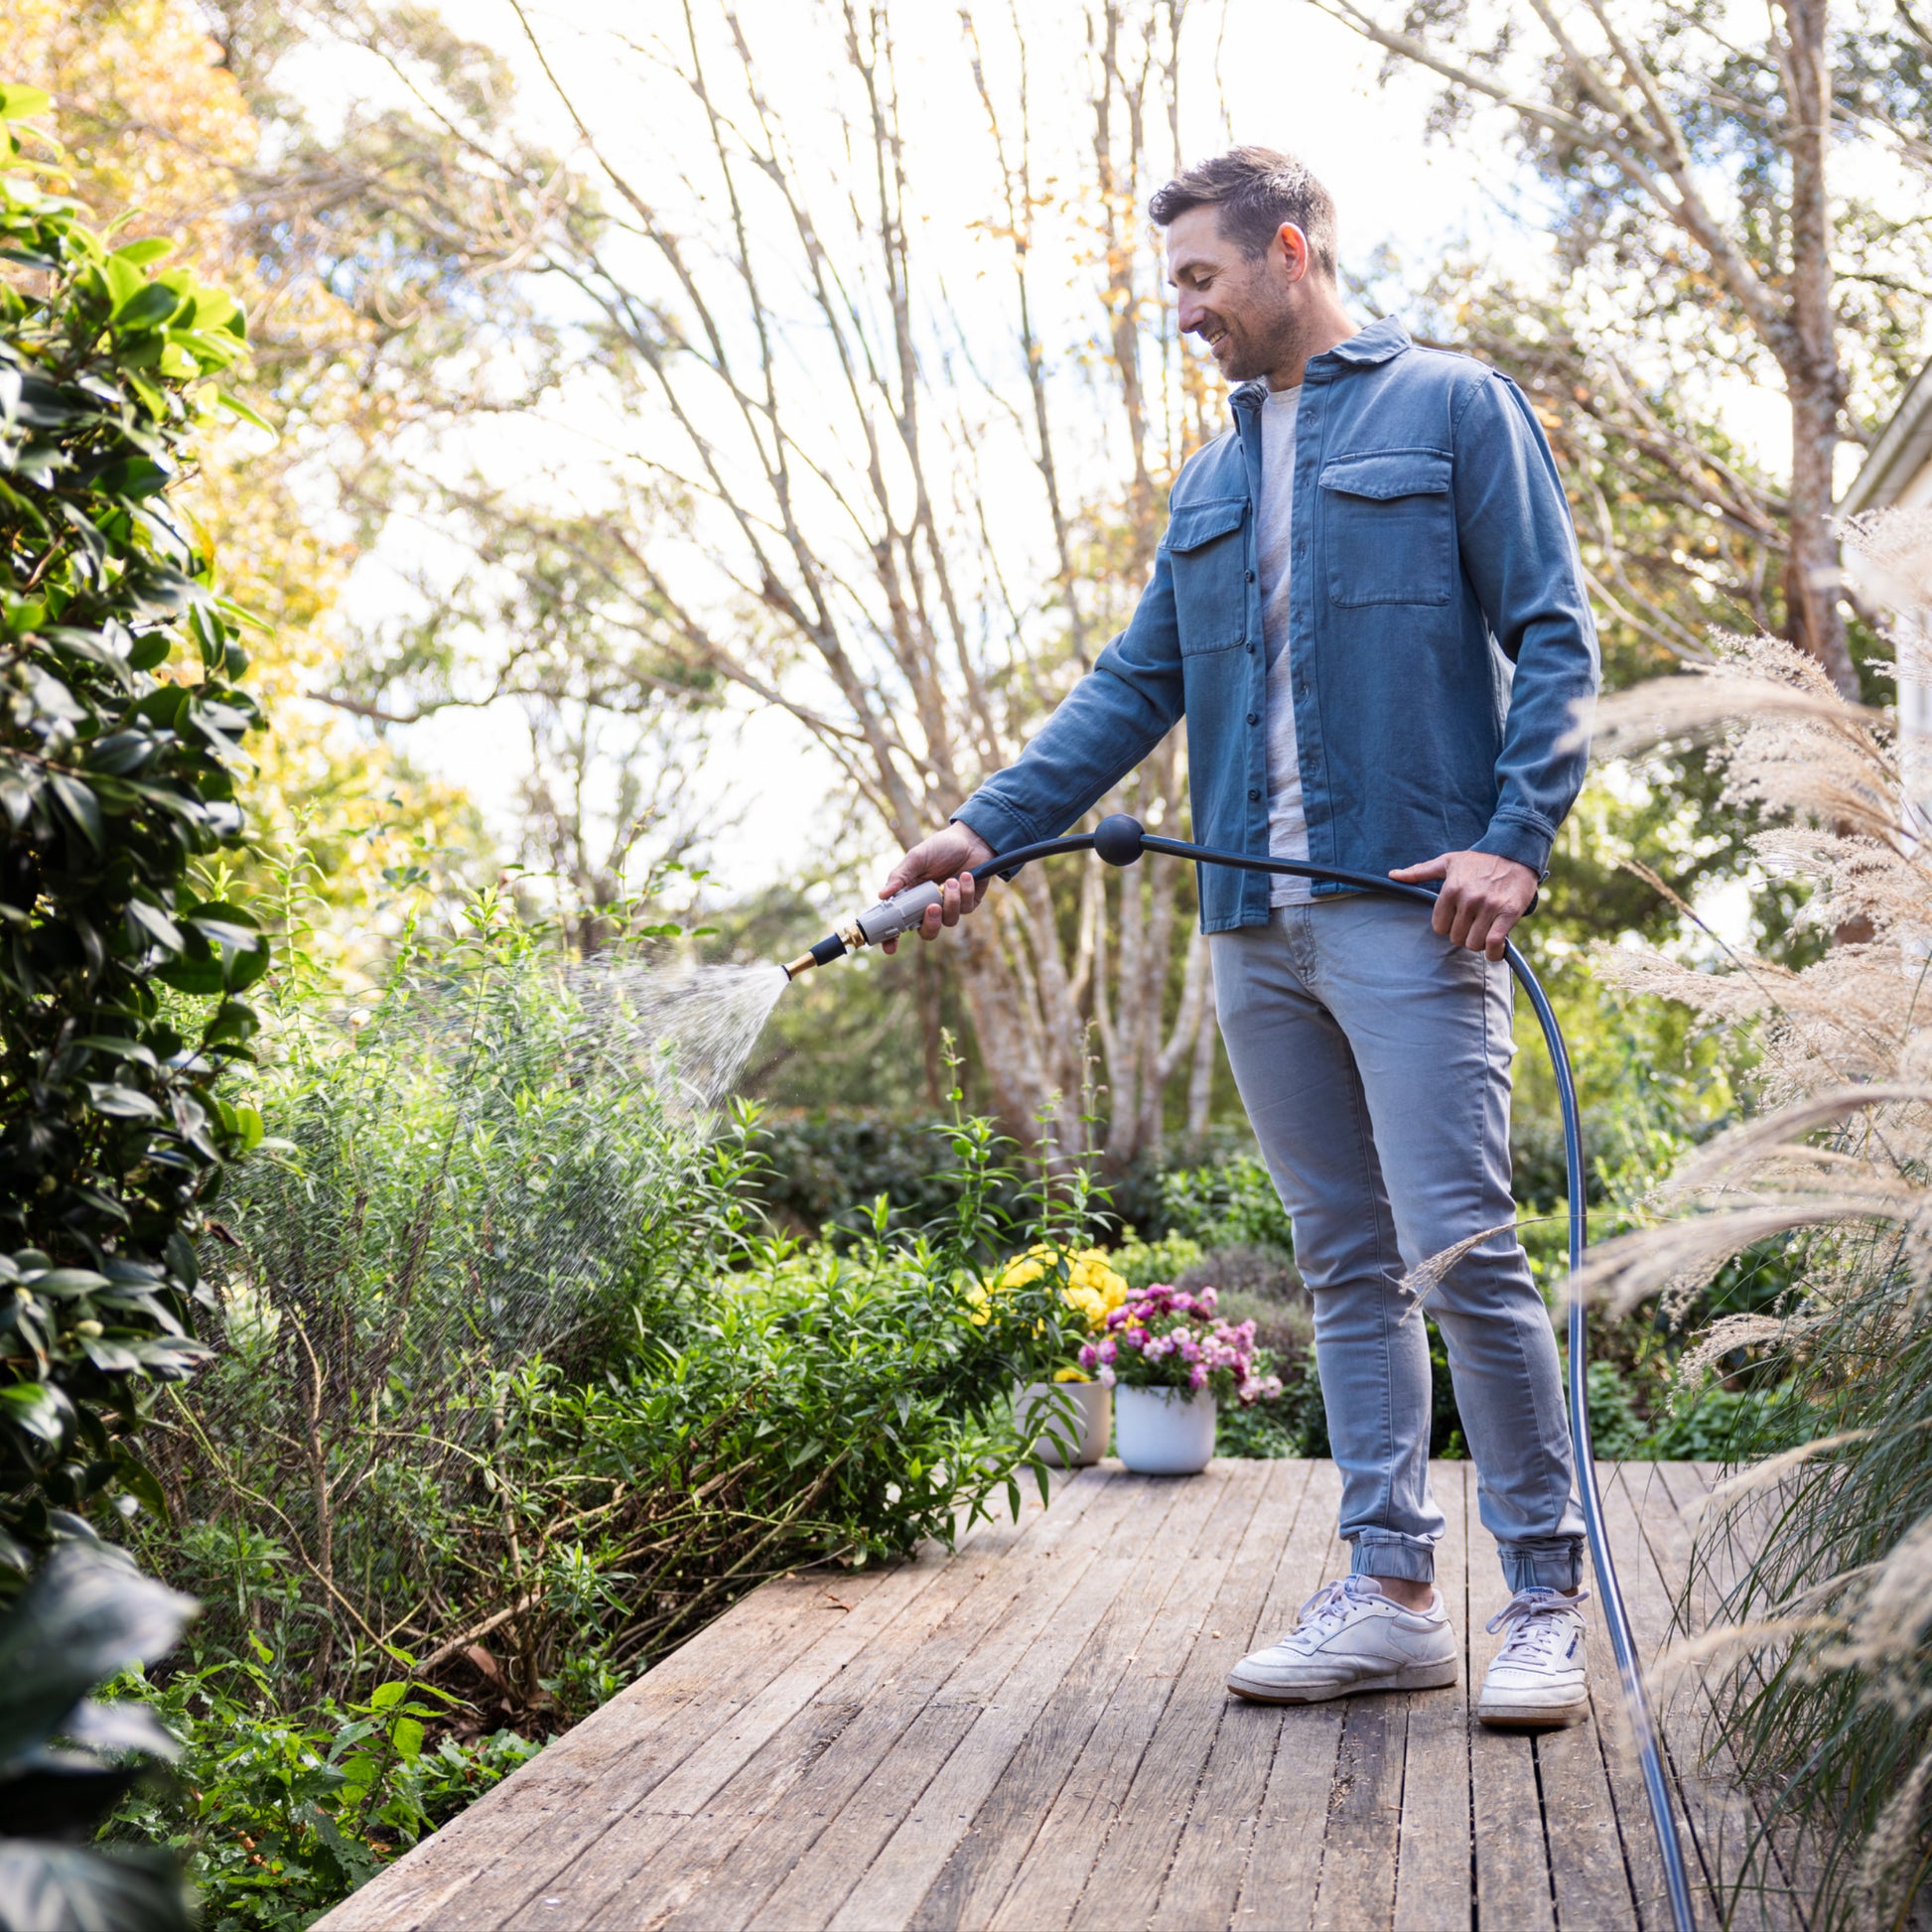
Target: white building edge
1897	474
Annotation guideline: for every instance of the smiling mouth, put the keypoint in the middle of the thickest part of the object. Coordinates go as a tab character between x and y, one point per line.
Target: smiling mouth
1217	341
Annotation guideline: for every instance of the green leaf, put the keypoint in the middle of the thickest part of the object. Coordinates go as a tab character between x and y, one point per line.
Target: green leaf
236	407
124	1103
148	309
407	1739
140	253
384	1695
159	926
23	103
36	1410
80	805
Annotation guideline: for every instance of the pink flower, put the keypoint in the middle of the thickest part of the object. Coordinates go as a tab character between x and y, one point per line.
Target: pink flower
1087	1357
1208	1298
1106	1351
1106	1378
1197	1377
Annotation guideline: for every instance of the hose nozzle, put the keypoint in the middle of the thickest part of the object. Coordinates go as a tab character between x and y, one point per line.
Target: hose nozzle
872	927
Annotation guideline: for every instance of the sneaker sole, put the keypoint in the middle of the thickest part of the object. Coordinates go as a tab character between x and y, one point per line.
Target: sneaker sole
1415	1677
1531	1716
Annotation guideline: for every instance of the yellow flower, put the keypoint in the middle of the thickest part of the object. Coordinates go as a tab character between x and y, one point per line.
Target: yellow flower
1071	1375
1091	1285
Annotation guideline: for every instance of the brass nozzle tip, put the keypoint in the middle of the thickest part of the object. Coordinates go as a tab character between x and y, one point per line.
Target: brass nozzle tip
802	964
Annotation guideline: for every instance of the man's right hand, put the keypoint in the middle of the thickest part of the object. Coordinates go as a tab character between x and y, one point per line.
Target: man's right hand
947	858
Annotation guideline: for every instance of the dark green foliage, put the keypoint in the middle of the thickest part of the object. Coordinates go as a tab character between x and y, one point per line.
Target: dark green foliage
119	742
279	1817
66	1761
1230	1204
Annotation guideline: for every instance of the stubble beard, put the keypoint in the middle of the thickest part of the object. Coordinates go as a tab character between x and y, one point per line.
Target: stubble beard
1263	341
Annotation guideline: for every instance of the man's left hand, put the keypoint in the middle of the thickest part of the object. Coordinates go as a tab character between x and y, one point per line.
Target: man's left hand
1482	897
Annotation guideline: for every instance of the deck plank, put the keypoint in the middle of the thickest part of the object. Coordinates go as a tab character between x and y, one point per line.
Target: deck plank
1204	1879
1511	1852
908	1866
922	1705
1794	1875
1643	1860
1054	1874
1700	1804
1283	1866
1032	1733
983	1866
1123	1886
1435	1863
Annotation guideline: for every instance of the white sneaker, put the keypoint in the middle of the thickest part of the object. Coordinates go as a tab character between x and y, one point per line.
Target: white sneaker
1538	1676
1350	1637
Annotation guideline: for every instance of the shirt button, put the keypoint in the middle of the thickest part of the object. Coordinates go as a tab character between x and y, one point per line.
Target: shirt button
1251	577
1254	795
1251	650
1254	717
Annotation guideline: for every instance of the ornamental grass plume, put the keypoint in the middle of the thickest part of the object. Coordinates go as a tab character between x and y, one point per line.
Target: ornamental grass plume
1820	1558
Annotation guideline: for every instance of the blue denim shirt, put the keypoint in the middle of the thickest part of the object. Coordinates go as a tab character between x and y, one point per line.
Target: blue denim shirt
1439	637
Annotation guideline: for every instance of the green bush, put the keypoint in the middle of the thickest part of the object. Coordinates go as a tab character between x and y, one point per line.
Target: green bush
120	958
67	1760
276	1818
509	1379
1232	1204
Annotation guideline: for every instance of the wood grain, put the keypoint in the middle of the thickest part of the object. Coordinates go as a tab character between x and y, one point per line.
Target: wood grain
1033	1732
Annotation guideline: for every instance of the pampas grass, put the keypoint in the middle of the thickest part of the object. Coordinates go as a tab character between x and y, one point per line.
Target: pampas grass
1819	1664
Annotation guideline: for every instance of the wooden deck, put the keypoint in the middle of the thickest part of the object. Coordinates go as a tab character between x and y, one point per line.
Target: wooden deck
1033	1732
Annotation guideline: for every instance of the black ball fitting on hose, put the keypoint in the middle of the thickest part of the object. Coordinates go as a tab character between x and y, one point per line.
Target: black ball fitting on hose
1119	839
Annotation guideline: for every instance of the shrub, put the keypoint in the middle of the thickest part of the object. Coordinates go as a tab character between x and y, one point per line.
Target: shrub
120	959
277	1817
85	1616
509	1381
1232	1204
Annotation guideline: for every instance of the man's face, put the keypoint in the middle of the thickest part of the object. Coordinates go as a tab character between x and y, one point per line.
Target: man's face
1244	309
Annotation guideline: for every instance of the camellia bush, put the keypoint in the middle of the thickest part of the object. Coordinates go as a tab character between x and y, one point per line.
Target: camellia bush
120	733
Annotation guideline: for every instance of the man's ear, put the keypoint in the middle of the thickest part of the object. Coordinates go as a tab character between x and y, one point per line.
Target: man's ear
1293	245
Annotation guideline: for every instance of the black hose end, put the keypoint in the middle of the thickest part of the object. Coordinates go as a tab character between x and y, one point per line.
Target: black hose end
1117	839
829	948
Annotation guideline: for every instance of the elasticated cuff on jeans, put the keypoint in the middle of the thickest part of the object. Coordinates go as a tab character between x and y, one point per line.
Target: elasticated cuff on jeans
1392	1556
1555	1565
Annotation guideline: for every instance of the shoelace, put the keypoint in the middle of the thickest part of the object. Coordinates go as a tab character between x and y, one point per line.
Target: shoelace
1321	1612
1536	1622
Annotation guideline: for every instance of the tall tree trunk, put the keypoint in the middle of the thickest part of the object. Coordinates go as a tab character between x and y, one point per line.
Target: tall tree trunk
1813	375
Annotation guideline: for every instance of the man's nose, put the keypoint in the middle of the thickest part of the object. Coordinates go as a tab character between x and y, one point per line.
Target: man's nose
1191	313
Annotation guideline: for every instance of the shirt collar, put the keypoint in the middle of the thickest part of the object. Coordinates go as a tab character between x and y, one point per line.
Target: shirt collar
1378	343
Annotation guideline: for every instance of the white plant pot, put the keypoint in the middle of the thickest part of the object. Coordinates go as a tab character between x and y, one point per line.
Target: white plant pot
1036	1411
1166	1432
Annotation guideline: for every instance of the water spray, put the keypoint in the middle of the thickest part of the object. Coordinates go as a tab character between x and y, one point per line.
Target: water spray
1120	841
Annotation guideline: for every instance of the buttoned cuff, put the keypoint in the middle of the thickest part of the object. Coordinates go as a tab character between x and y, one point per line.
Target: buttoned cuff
1527	841
999	825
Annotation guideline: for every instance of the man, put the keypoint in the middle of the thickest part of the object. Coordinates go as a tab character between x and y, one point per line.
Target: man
1368	606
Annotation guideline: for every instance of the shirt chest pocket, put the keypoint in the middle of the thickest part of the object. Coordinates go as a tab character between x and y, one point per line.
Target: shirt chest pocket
1208	553
1390	535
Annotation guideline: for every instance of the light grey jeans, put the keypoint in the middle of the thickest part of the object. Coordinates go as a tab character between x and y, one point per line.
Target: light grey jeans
1374	1061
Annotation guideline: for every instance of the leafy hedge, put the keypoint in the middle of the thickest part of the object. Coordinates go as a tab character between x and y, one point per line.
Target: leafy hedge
120	732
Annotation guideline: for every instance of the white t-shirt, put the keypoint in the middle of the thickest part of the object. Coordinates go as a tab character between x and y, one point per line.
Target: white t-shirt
1288	826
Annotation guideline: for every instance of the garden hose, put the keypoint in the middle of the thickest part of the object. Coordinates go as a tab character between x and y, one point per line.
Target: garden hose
1120	841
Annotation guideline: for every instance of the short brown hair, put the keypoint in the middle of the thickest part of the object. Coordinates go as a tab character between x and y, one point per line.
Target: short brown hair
1256	190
